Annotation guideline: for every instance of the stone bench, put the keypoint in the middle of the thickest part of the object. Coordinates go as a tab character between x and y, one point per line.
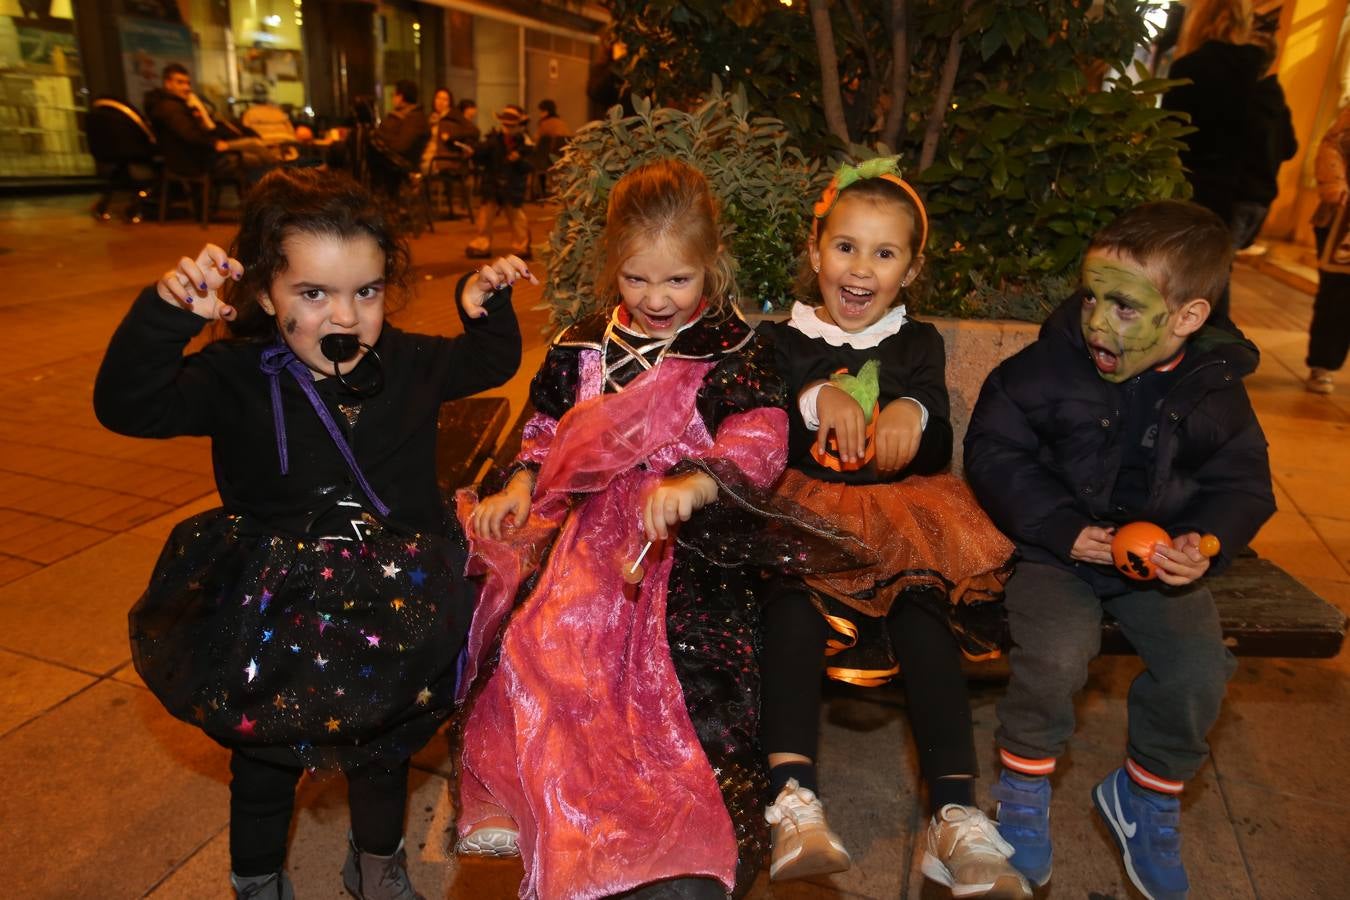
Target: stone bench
1264	611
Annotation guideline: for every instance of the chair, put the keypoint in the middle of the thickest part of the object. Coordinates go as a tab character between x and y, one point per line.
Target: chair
399	184
125	153
447	176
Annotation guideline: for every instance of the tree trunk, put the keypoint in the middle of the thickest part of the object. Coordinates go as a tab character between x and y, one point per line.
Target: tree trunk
829	70
933	132
895	119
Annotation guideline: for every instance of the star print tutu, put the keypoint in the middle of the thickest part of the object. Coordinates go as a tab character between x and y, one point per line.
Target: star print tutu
337	652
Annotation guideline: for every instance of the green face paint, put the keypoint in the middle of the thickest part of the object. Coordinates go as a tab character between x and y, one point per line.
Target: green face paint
1126	322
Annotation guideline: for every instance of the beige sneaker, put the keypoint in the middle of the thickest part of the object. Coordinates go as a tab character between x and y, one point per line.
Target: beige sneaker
966	853
493	842
1320	381
803	844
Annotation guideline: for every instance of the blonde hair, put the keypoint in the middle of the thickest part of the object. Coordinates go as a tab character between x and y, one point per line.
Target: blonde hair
1229	21
666	200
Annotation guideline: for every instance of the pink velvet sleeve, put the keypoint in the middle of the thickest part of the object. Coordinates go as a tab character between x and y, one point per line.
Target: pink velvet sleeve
536	439
755	441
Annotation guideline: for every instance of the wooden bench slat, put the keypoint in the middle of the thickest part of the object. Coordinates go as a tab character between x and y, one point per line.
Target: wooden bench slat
1264	612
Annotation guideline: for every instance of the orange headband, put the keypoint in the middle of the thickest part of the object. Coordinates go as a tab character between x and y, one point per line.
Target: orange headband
884	167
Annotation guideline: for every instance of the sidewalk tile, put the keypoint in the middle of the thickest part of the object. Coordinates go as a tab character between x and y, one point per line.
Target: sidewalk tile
1294	847
113	793
1275	704
1335	533
1288	540
1324	492
75	612
44	540
30	687
12	568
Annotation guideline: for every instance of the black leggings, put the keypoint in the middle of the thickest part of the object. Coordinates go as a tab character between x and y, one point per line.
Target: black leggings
930	664
262	800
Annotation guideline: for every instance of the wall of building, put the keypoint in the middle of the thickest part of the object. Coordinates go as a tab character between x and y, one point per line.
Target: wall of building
1310	68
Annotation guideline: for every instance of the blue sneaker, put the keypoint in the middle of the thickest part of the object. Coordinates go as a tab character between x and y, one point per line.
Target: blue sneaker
1023	816
1148	831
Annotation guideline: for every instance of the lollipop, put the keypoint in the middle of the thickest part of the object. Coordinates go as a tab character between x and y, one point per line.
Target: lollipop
634	573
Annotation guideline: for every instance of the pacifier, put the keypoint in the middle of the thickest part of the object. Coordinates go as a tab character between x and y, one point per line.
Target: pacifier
338	348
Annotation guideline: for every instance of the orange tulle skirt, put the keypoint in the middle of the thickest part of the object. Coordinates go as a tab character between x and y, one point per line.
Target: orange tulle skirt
929	532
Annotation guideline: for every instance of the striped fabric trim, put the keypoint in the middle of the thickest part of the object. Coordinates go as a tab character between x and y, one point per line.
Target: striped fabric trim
1026	766
1147	779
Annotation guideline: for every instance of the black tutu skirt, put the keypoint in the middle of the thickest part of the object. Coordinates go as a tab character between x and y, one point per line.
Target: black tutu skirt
335	653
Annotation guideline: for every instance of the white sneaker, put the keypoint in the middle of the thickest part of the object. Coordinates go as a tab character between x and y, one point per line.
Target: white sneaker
966	853
494	842
803	844
1320	381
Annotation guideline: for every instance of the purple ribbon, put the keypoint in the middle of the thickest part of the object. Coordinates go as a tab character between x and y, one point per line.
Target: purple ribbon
278	357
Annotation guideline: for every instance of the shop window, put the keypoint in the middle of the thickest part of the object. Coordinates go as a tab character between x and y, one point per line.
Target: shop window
270	51
41	92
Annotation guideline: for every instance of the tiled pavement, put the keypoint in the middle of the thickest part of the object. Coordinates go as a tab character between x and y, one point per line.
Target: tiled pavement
105	796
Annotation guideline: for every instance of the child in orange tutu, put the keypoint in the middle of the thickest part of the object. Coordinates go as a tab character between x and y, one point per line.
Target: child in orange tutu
868	432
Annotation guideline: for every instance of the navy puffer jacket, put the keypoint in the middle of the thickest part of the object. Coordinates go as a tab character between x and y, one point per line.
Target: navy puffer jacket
1044	448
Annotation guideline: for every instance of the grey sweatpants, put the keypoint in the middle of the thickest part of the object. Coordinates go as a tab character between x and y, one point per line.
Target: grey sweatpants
1056	620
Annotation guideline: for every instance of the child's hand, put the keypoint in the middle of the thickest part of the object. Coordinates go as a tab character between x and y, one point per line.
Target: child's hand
840	413
499	273
899	430
1182	562
510	508
195	283
1094	546
674	500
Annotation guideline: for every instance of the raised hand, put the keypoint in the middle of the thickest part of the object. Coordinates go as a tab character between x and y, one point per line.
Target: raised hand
195	283
498	273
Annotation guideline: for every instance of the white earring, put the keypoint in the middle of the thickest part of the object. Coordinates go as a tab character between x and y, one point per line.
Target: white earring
815	269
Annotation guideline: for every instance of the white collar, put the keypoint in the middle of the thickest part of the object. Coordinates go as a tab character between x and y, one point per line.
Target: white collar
805	320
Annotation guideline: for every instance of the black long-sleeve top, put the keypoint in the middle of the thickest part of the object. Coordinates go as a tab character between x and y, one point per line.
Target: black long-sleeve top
913	364
146	387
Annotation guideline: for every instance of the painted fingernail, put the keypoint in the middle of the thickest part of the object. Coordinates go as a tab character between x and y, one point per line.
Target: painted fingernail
188	300
224	267
203	285
238	275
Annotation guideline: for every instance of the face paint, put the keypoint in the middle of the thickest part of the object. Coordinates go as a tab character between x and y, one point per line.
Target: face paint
1126	323
291	326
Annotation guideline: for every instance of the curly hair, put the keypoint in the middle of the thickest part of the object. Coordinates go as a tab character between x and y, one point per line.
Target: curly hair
303	201
666	200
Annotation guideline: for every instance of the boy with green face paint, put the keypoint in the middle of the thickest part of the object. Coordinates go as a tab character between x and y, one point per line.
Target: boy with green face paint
1128	407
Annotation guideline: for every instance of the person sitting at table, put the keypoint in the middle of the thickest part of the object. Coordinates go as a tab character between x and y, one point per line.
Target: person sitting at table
404	130
190	140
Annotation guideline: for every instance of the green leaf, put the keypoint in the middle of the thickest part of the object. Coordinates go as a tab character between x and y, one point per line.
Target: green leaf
990	41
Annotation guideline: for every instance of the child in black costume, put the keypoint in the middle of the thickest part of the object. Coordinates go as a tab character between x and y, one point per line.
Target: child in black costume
315	619
869	433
